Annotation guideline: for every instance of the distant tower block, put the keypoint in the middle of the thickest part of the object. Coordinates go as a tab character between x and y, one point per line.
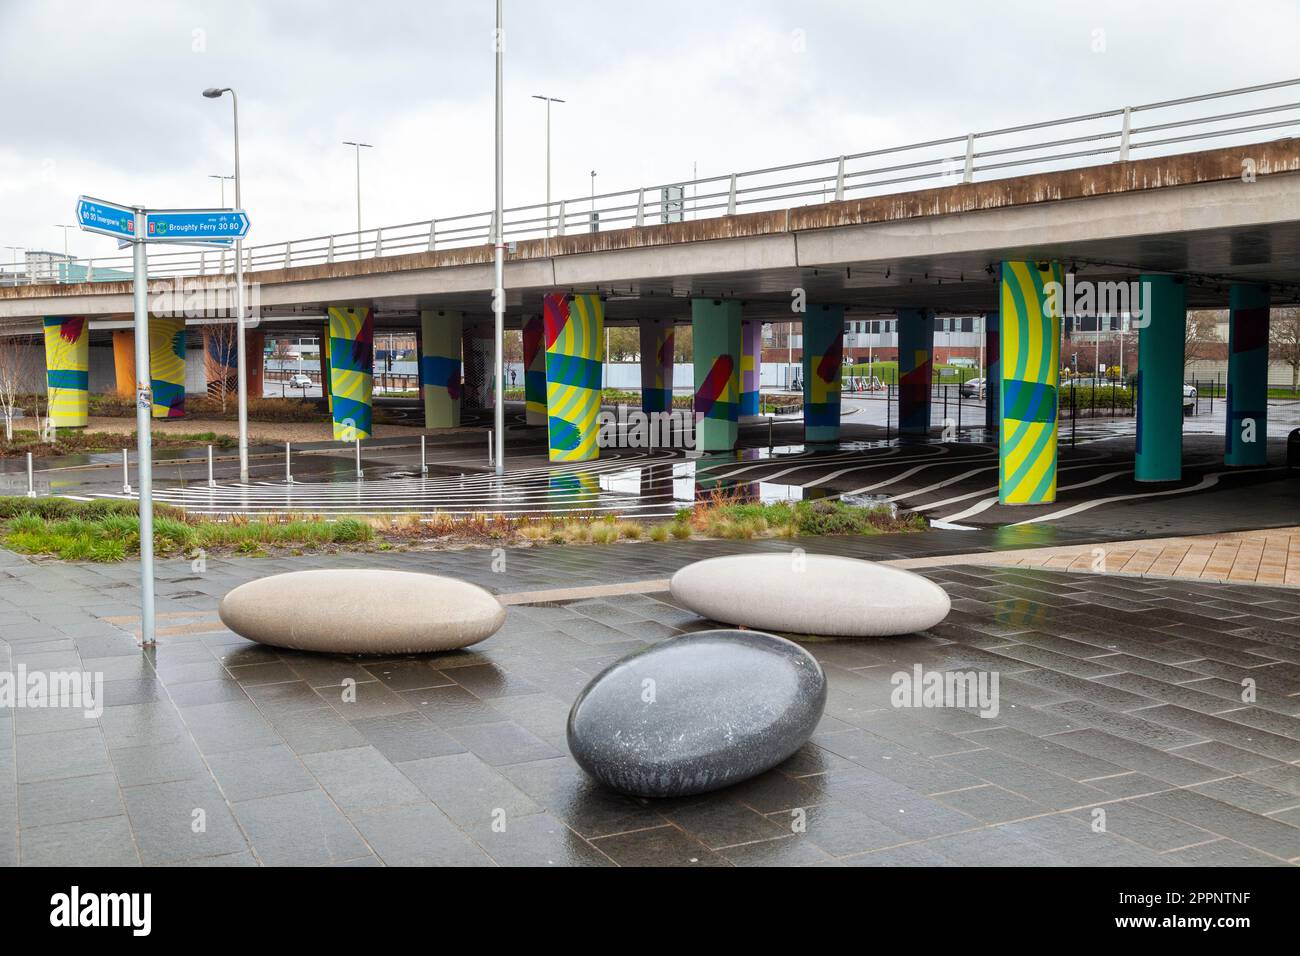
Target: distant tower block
352	366
823	365
535	370
657	348
575	347
67	370
440	337
167	366
751	361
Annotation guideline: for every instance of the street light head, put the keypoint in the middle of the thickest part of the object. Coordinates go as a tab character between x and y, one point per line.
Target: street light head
213	92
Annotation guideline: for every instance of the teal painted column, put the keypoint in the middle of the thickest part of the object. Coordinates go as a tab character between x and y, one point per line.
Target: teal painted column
1161	343
715	333
1245	440
657	346
823	369
915	361
992	373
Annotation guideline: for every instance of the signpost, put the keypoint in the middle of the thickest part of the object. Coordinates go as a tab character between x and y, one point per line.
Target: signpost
137	226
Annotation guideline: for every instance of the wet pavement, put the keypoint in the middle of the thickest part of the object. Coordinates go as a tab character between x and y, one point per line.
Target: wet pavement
1124	733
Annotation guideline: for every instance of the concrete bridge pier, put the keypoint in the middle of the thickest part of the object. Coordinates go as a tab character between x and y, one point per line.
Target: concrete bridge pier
67	370
915	364
440	340
823	370
1162	339
751	351
715	333
534	335
574	331
478	347
1030	359
992	376
352	368
167	366
657	345
1246	427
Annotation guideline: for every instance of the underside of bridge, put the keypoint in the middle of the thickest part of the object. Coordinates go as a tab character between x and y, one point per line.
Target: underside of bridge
1150	238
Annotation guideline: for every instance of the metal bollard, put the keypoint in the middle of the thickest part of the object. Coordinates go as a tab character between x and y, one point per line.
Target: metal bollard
424	468
288	472
769	433
126	475
212	481
491	450
31	482
360	476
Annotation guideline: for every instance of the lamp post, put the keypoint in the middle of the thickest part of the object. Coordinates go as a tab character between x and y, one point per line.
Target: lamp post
222	179
15	250
593	201
358	147
241	359
548	100
499	283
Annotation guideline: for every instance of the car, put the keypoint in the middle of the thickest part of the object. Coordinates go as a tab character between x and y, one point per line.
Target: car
1189	399
300	381
973	388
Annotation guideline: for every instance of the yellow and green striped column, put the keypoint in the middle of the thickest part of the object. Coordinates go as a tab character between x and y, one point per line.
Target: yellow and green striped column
167	366
352	366
1246	429
715	336
534	370
1162	341
440	367
656	365
67	370
1029	374
575	350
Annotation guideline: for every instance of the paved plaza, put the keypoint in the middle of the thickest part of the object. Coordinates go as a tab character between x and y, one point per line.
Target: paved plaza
1122	700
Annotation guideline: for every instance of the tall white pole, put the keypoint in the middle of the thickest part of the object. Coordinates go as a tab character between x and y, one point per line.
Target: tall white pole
358	148
548	167
143	422
499	290
241	351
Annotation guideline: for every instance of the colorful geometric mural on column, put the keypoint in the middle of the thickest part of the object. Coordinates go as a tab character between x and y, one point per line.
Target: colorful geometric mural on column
1162	341
715	333
657	345
534	370
751	360
352	365
823	364
124	362
477	346
167	366
440	333
67	370
1030	354
915	358
575	349
992	373
1247	376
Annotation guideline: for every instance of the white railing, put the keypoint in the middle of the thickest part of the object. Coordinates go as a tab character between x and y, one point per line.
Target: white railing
1151	129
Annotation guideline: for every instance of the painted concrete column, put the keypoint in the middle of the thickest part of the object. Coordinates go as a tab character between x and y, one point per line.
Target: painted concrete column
992	374
124	362
535	370
715	334
324	367
440	334
67	370
1246	430
352	368
1030	376
255	350
751	361
167	365
1161	342
575	353
823	369
657	346
477	346
915	363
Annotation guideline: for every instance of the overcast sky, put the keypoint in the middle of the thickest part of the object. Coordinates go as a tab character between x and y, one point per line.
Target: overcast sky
103	98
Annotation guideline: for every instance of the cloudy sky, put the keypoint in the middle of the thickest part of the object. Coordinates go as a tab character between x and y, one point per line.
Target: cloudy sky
103	98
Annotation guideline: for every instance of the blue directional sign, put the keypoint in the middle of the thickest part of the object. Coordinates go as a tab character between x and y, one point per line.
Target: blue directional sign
196	225
95	215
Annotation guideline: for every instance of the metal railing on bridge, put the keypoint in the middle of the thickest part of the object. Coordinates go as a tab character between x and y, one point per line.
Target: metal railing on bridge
1150	129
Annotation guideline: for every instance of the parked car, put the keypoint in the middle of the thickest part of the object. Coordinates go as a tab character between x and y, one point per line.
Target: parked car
300	381
1189	399
973	388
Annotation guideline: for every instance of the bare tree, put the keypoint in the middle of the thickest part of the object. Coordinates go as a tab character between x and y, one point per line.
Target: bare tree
17	367
1284	341
221	345
1202	337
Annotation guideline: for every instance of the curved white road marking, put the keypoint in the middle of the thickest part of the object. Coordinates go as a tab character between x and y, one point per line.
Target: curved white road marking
990	502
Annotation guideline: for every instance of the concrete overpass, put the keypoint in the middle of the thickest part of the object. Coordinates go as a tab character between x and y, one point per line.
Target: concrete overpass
1209	229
